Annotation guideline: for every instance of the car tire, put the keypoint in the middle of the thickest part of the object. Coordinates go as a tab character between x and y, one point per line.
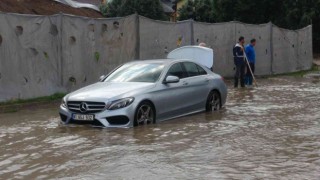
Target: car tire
145	114
213	101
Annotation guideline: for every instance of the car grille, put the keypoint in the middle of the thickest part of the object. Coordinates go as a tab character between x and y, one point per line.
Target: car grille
91	107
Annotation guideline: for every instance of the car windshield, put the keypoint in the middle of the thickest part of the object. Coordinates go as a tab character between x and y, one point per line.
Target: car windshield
136	72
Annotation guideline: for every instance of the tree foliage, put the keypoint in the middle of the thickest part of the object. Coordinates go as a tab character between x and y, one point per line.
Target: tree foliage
204	11
291	14
148	8
187	11
199	10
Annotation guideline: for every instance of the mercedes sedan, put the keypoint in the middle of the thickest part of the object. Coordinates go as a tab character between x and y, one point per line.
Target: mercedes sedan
145	92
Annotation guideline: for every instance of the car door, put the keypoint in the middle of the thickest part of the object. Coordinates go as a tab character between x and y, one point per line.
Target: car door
198	83
171	97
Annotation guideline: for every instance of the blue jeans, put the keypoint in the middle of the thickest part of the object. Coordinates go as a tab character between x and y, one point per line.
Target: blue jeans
248	78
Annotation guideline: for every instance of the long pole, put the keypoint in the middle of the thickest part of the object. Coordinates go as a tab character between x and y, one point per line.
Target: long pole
246	59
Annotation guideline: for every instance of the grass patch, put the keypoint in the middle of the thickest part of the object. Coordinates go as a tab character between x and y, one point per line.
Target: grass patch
298	73
314	69
97	56
294	74
53	97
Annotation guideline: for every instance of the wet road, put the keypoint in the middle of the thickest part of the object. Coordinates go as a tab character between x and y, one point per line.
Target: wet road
269	132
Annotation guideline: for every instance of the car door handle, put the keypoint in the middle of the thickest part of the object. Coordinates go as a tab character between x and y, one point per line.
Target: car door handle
185	83
207	80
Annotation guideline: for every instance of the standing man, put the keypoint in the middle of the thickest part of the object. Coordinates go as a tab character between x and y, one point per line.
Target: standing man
239	62
251	55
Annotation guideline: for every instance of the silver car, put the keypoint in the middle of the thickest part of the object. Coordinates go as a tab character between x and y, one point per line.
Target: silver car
145	92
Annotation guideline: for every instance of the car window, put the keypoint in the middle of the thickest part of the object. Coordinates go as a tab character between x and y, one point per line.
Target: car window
191	69
201	70
177	70
136	72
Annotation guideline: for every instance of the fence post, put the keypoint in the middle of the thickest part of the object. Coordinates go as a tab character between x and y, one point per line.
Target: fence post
60	49
235	31
137	48
192	32
311	32
271	48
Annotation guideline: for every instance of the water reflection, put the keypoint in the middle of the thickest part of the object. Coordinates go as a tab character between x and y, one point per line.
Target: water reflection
270	132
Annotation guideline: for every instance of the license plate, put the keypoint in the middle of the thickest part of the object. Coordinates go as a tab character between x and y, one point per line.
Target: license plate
83	117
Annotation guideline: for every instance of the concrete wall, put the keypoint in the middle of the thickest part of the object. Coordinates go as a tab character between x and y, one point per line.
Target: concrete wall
42	55
93	47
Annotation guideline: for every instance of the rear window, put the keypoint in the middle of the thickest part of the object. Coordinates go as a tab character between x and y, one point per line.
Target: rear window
191	69
201	70
177	70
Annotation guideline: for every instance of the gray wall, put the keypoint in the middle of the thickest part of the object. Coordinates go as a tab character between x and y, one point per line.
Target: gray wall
42	55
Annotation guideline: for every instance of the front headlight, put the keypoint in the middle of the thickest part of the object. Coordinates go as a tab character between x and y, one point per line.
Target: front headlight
64	103
121	103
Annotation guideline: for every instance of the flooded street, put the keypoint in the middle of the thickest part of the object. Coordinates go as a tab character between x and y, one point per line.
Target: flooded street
269	132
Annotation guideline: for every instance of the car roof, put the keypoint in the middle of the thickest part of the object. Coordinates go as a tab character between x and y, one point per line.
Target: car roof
162	61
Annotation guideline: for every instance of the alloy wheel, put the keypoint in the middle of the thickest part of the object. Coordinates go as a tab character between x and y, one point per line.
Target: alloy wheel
213	102
145	115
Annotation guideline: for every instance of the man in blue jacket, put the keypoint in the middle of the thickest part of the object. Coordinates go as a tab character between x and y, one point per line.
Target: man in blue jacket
239	62
251	55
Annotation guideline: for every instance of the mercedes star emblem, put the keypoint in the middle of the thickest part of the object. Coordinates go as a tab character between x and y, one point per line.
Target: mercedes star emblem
83	107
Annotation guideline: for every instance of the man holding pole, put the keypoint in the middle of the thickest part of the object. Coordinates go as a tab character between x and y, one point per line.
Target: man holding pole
239	62
251	56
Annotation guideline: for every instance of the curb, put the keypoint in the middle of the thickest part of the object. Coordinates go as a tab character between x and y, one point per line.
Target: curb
17	107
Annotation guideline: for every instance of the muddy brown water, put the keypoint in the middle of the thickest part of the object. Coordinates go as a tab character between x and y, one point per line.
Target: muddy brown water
269	132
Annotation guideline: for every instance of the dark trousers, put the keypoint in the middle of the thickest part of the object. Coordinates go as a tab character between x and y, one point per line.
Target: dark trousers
240	71
248	78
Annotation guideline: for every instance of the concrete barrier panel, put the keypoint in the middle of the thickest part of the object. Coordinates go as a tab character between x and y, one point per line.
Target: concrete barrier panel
221	38
158	38
262	33
43	55
30	56
305	48
94	47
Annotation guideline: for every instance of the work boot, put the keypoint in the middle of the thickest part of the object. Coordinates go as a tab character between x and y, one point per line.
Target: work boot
242	83
236	81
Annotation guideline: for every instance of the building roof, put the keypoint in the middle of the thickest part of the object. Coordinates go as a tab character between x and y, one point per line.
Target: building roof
44	7
77	4
167	5
166	8
94	2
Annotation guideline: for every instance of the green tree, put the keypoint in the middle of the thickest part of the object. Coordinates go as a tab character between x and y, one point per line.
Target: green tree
291	14
148	8
199	10
301	12
204	11
224	10
248	11
187	11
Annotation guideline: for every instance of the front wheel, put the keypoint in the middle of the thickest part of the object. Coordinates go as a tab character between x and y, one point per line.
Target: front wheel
213	101
145	114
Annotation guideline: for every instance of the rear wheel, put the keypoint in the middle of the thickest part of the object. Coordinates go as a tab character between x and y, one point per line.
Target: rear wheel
213	101
145	114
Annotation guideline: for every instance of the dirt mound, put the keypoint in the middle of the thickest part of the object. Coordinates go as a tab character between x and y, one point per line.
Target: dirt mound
44	7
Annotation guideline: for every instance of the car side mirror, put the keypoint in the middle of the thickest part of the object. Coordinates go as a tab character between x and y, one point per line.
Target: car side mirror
102	78
171	79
